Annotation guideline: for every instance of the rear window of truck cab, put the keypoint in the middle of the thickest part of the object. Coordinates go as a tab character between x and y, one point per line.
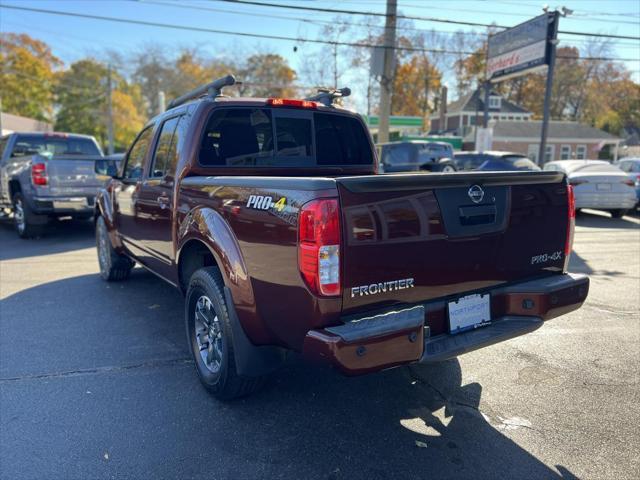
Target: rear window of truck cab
54	145
282	137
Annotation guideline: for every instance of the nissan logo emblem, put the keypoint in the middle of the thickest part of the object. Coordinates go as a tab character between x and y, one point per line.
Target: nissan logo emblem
476	194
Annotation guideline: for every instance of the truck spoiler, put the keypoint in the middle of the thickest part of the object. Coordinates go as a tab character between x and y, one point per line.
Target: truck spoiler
413	181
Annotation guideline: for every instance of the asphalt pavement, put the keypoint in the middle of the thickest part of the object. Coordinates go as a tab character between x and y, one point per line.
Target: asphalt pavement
96	382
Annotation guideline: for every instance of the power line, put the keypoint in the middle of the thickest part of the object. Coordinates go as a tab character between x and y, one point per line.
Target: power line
270	37
326	22
410	17
227	32
574	16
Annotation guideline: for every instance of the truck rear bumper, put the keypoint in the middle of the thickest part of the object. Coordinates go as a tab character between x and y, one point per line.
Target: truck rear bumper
404	335
76	205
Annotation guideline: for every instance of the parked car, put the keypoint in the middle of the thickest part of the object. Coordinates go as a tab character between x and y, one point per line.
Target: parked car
598	184
415	155
343	277
48	175
494	161
631	166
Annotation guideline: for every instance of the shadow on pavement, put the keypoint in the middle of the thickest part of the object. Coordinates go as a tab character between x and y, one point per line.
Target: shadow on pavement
124	344
577	264
60	236
598	219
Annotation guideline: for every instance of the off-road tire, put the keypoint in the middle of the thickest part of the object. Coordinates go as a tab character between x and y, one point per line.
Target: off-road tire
114	267
27	223
226	384
618	213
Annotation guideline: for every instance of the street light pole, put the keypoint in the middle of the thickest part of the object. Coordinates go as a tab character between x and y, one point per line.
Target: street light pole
386	80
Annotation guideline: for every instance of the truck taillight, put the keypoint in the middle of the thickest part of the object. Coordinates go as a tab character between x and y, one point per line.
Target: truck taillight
291	102
319	246
39	174
571	224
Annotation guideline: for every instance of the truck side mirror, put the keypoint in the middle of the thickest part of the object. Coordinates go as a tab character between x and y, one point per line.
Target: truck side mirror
107	168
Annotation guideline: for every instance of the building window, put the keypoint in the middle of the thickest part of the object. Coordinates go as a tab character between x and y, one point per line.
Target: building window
549	151
581	152
565	152
495	102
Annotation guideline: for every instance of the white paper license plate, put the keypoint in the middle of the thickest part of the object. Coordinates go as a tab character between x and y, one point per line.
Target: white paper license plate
603	186
469	312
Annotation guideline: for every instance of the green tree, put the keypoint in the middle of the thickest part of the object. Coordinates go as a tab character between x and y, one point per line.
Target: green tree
27	76
82	101
268	75
416	82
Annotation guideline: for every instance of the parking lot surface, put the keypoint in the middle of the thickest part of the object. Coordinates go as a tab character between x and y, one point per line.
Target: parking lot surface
96	382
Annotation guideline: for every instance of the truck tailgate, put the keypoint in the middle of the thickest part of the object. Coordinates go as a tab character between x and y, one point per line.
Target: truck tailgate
72	175
417	237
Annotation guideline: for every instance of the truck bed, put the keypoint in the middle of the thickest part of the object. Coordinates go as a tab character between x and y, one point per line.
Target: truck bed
406	239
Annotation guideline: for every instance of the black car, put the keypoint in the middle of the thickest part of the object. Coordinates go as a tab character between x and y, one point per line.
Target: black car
416	155
496	161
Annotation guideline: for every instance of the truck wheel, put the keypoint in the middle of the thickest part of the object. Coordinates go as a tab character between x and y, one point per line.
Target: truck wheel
618	213
113	266
210	338
27	223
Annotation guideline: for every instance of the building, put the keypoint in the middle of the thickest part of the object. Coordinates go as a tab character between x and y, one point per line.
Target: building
462	115
10	123
565	140
399	125
515	131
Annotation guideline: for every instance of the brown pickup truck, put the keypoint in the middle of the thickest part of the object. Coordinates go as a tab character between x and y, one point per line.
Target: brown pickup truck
269	215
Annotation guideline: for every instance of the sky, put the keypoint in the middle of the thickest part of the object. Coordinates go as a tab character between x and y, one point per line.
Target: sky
74	38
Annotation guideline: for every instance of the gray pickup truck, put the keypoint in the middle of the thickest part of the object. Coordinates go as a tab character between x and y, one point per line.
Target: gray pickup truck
49	175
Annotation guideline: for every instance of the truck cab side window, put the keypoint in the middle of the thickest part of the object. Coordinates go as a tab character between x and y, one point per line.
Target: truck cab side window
166	154
135	159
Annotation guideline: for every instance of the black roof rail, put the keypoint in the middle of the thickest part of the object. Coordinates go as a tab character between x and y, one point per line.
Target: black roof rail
326	96
213	89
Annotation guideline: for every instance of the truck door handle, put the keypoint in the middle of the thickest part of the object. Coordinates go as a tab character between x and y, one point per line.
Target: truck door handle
478	215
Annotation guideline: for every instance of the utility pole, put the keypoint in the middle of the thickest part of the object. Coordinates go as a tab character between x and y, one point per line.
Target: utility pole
109	113
386	81
442	109
553	17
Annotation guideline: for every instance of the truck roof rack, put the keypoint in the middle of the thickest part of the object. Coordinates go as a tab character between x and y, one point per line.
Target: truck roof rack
326	96
213	89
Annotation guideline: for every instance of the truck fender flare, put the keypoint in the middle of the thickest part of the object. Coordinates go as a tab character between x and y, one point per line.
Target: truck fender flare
209	228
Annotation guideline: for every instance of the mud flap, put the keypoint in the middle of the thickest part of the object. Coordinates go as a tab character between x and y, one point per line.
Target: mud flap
251	360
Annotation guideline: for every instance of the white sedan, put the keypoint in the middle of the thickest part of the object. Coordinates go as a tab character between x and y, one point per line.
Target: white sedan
598	184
